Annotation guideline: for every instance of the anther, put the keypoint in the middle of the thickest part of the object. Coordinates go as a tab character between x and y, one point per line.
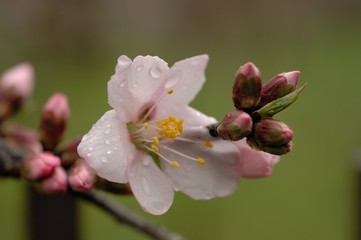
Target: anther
156	140
154	147
170	91
208	144
201	160
175	164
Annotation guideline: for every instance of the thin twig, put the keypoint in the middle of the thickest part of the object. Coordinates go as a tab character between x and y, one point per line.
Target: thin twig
10	166
124	215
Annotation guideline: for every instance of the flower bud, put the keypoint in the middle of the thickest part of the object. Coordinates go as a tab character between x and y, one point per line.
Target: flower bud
16	85
247	87
39	165
81	176
279	86
53	120
24	138
271	136
235	125
57	182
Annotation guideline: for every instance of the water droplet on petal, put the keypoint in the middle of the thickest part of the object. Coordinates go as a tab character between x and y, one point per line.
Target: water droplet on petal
107	141
155	72
145	186
115	148
89	154
90	149
109	152
173	79
146	161
139	68
123	83
104	159
107	131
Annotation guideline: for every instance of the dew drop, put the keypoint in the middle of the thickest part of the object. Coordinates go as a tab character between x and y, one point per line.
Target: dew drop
145	186
107	131
107	141
139	68
173	79
122	84
115	148
109	152
135	84
90	149
104	159
146	161
89	154
155	72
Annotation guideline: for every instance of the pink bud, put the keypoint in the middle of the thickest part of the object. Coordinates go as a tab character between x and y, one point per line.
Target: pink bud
235	125
56	183
39	165
255	164
18	81
292	77
81	176
247	87
54	119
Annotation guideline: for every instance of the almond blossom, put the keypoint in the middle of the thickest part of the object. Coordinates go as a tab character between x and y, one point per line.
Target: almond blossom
155	141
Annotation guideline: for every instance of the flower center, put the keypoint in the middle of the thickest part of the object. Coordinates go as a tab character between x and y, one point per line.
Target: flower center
150	136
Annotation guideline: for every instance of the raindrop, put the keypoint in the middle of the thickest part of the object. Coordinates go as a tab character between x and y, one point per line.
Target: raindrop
109	152
90	149
146	161
145	186
122	84
139	68
107	141
107	131
115	148
173	79
155	72
104	159
89	154
135	84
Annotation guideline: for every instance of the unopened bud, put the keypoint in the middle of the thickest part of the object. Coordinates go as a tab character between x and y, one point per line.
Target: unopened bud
81	176
272	136
57	182
39	165
235	125
68	152
247	87
279	86
54	120
16	85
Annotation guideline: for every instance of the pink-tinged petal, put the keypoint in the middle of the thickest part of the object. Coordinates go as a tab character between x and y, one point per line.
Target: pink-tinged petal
149	185
107	148
191	116
186	79
57	182
255	164
136	85
217	177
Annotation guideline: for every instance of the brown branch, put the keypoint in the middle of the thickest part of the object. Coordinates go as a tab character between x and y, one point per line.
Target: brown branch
10	166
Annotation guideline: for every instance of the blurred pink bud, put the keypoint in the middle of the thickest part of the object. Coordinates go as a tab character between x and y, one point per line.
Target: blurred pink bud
256	164
247	87
39	165
54	120
235	125
25	138
68	152
18	81
81	176
57	182
16	85
279	86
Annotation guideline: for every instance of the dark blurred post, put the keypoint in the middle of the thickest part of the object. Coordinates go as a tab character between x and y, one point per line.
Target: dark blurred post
52	217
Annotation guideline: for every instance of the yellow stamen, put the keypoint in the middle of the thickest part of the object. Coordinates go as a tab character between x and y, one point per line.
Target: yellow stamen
208	144
170	91
155	148
156	140
201	160
175	164
171	127
146	125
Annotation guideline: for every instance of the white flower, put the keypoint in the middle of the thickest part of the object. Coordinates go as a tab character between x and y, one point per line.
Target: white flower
154	140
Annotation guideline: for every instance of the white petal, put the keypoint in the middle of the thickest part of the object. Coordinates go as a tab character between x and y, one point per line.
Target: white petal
107	148
186	78
218	177
136	85
149	185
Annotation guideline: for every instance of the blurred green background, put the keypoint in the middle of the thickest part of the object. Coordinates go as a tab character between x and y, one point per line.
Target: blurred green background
74	46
